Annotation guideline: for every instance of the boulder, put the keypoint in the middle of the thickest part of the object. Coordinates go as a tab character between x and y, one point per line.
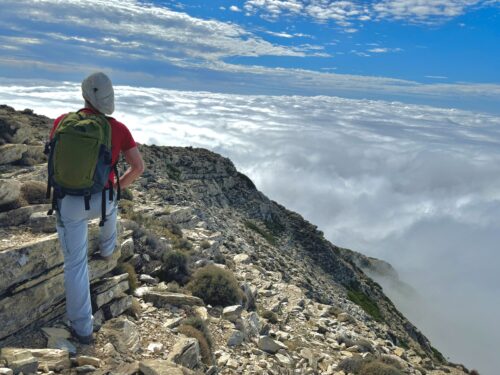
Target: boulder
117	307
19	360
123	334
159	367
232	313
186	352
20	215
6	371
41	222
10	153
162	299
269	345
53	359
127	248
236	338
10	191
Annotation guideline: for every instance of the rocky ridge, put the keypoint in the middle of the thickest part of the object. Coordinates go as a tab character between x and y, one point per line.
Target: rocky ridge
307	306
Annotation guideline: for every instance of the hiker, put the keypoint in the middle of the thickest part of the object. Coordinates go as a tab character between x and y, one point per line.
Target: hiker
78	198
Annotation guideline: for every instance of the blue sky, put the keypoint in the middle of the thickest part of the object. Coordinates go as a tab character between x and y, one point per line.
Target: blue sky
438	52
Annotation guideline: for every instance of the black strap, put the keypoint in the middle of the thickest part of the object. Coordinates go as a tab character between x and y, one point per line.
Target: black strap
117	175
111	191
54	203
86	200
103	208
49	186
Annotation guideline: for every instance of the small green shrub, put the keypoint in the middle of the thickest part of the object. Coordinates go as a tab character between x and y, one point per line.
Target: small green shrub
175	229
205	244
267	236
438	355
34	192
368	366
369	306
175	267
132	275
474	372
184	244
271	316
135	309
215	286
127	194
200	325
379	368
190	331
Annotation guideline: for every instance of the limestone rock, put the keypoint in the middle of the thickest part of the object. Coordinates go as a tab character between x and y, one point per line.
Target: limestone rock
41	222
117	307
85	369
186	352
123	334
172	322
242	258
10	190
6	371
159	367
19	360
54	359
162	299
269	345
236	338
111	289
127	248
10	153
83	360
232	313
20	215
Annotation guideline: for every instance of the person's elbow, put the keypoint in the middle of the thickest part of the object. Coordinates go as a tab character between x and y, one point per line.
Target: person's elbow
140	168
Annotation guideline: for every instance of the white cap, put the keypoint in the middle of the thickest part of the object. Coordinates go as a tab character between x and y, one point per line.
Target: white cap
98	91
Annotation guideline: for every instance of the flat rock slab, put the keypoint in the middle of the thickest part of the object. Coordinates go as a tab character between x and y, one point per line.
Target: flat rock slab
10	190
19	360
163	299
123	334
20	215
11	152
186	352
54	359
159	367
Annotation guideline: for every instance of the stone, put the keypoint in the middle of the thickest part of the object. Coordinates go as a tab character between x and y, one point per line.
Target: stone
20	215
62	344
232	363
141	291
399	352
46	295
83	360
6	371
117	307
172	322
232	313
162	299
10	191
345	318
252	324
100	298
123	334
19	360
201	312
127	249
250	295
155	347
41	222
148	279
85	369
284	360
53	359
10	153
222	360
236	338
242	258
186	352
269	345
159	367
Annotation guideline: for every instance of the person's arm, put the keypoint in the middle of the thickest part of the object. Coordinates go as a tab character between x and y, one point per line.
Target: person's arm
136	167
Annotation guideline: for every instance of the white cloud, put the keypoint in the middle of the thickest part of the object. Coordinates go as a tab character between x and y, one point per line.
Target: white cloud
416	185
344	12
234	8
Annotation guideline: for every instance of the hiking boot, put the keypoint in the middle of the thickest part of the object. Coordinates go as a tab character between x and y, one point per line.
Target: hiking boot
85	340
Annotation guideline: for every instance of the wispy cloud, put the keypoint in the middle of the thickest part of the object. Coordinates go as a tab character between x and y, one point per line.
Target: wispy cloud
346	12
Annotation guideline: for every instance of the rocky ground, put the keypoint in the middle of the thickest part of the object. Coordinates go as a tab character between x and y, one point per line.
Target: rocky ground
304	306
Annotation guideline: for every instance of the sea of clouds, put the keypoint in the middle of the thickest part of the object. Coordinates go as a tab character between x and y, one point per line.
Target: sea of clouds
415	185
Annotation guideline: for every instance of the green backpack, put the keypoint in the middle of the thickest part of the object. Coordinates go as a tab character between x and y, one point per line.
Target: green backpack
80	159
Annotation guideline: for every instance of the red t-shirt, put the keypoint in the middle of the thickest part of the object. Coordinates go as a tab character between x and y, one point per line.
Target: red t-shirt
121	138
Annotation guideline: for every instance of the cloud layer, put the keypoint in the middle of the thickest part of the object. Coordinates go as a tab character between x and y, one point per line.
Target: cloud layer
416	185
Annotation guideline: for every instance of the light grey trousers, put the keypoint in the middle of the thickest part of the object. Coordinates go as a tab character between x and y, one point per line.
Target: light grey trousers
72	228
